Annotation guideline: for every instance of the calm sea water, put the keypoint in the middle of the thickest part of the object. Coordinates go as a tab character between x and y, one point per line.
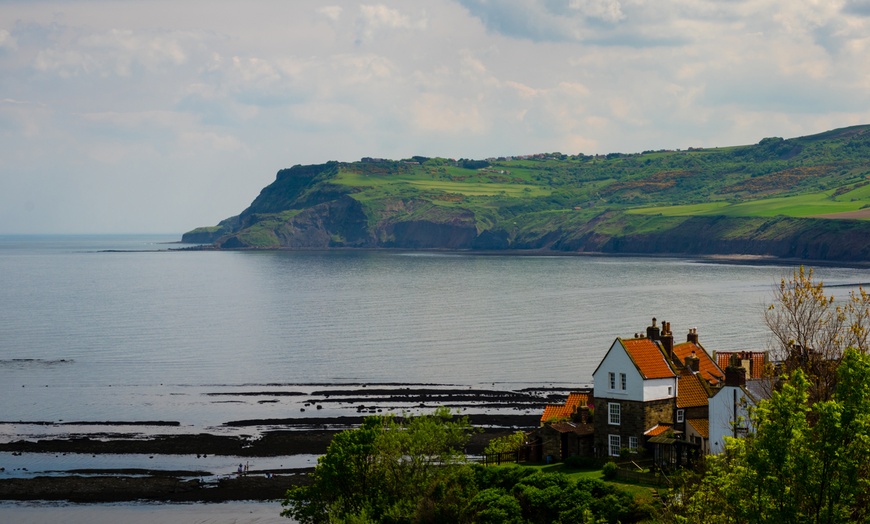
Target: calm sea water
143	333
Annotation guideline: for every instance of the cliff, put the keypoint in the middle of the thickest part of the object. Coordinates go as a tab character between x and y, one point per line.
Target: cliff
764	199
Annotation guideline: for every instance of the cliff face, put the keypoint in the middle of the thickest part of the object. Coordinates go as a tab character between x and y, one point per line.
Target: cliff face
406	205
345	222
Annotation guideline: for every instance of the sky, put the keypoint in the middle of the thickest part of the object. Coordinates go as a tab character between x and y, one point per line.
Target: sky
130	116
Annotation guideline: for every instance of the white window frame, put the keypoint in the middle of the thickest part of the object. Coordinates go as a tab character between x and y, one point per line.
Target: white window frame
614	413
681	416
614	444
632	443
612	376
623	381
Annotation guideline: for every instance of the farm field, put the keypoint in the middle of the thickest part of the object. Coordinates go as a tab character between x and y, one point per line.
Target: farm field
799	206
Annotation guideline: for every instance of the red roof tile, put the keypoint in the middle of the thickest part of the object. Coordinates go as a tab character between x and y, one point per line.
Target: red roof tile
757	360
658	429
706	367
700	425
690	392
565	411
648	358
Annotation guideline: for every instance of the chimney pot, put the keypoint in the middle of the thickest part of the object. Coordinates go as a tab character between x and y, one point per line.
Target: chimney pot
735	375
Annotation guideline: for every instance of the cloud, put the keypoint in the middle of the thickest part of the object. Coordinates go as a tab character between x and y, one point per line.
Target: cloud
375	18
180	93
7	41
857	7
116	53
559	21
332	12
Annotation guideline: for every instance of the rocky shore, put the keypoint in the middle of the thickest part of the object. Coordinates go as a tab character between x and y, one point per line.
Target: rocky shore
286	437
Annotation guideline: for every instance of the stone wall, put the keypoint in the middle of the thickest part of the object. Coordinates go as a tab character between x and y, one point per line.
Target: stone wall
635	418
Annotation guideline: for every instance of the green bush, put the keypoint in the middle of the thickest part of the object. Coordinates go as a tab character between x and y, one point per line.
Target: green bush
609	470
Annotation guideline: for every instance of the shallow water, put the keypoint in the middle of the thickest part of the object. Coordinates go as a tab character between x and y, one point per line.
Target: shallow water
153	335
143	513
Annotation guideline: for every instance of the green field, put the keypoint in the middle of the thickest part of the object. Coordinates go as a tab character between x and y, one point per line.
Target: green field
739	196
475	185
798	206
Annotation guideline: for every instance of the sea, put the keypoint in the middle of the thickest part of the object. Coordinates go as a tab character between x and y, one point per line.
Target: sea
120	330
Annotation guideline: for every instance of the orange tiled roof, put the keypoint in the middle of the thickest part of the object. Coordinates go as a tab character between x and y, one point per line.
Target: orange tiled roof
658	429
700	425
648	358
565	411
690	391
757	357
706	367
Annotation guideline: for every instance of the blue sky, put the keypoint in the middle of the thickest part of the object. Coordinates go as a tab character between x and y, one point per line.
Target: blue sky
160	116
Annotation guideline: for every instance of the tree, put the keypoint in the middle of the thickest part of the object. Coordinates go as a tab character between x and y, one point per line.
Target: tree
381	470
811	331
506	443
808	462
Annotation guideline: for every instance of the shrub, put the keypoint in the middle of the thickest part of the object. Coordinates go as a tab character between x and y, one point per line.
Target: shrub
609	470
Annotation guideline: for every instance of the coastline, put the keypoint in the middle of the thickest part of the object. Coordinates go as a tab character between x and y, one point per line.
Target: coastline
497	413
716	258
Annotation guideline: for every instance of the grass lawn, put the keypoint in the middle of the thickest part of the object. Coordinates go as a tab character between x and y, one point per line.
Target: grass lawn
642	493
808	205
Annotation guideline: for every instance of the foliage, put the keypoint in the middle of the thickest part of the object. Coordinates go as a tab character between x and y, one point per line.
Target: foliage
382	469
811	331
505	444
413	471
807	462
609	469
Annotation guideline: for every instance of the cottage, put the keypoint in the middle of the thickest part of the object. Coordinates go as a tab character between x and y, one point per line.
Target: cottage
672	400
566	429
635	386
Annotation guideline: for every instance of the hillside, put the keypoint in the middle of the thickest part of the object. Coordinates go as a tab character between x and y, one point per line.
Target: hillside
805	197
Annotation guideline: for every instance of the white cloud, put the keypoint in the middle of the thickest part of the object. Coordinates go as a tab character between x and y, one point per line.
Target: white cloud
238	93
607	10
7	41
375	18
444	114
333	12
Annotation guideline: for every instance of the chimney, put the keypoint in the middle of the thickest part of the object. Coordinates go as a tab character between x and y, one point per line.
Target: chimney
667	339
693	362
735	373
692	336
652	332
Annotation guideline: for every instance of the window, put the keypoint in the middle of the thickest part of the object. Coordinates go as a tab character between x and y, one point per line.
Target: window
632	443
681	416
612	377
622	381
614	444
670	391
614	411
